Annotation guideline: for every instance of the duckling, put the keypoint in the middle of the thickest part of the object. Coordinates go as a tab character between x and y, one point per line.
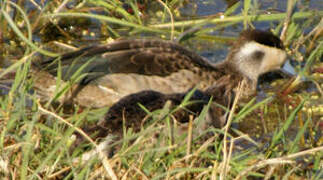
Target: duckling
128	108
127	113
125	67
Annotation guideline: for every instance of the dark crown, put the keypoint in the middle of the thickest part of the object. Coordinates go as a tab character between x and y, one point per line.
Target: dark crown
263	37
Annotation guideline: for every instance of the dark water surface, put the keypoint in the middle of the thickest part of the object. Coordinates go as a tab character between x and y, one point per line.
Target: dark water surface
82	32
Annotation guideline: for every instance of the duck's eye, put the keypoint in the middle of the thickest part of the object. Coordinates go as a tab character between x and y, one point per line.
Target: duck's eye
258	55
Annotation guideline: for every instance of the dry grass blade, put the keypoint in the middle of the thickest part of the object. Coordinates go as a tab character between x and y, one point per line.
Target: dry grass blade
4	166
270	172
226	129
171	19
54	175
289	13
102	156
276	161
189	138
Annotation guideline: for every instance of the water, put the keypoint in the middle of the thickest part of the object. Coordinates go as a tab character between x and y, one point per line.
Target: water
82	31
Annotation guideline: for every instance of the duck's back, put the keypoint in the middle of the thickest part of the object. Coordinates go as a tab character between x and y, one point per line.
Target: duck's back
129	66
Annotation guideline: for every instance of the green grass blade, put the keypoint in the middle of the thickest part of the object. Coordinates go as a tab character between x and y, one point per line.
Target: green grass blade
247	109
290	119
246	6
239	18
300	134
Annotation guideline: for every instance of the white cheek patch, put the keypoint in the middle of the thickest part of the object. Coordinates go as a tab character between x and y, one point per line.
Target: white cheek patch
254	59
248	49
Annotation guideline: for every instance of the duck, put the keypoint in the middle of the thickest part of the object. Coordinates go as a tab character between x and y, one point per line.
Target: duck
130	112
128	66
130	109
153	72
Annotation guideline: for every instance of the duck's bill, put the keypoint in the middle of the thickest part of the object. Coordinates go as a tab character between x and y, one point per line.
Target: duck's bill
288	70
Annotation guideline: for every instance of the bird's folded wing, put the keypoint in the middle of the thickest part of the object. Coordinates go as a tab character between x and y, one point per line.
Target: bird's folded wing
141	56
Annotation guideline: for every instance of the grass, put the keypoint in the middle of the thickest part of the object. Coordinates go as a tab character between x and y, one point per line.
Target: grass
36	139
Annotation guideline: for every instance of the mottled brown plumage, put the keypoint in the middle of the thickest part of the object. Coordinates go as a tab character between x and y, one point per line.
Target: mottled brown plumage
152	72
130	66
128	108
127	113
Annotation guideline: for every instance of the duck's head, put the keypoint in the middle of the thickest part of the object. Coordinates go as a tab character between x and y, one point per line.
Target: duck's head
256	52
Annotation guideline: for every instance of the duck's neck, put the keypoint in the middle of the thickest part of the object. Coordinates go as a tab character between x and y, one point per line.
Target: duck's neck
232	77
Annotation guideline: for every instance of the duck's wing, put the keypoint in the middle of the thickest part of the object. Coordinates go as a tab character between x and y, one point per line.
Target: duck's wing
141	56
